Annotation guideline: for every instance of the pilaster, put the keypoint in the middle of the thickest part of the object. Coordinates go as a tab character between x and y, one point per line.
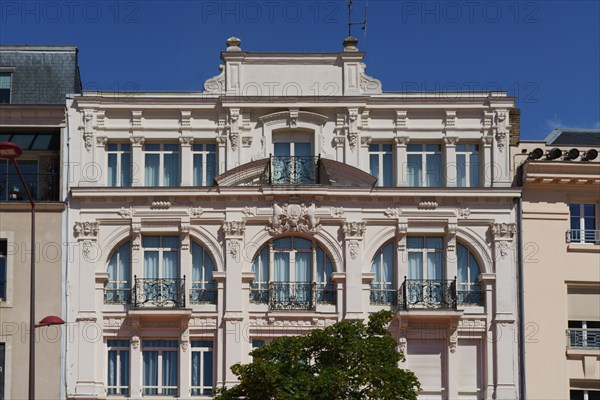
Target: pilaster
137	160
400	143
451	170
353	248
187	162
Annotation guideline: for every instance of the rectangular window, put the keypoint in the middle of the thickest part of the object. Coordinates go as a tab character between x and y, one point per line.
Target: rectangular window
424	167
161	164
467	165
3	268
202	367
160	373
425	257
118	367
585	395
205	164
11	187
161	283
583	224
119	164
381	164
5	87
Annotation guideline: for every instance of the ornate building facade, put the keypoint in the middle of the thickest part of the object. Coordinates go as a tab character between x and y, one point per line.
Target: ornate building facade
290	194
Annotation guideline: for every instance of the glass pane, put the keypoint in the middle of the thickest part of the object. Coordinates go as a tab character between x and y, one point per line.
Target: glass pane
574	210
170	242
171	170
386	147
302	150
282	149
461	147
414	147
150	360
300	243
303	267
208	367
474	269
435	243
434	266
589	210
112	170
198	170
124	368
282	267
112	368
126	177
152	147
474	170
433	147
434	170
195	367
414	242
415	265
282	244
388	265
151	241
169	371
171	148
374	165
461	171
152	169
463	263
211	168
414	172
151	264
387	170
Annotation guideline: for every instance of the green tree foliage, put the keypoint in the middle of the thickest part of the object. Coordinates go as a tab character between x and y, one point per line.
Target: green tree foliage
346	361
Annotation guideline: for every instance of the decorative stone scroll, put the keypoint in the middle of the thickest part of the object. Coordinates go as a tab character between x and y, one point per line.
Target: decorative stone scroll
86	230
234	228
293	218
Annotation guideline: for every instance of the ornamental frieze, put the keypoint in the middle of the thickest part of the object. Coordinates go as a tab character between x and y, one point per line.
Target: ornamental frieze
293	218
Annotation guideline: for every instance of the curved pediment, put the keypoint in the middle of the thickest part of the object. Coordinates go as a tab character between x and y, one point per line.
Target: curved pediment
331	173
291	118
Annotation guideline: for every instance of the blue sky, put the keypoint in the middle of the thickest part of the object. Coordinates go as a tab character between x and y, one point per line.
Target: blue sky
547	53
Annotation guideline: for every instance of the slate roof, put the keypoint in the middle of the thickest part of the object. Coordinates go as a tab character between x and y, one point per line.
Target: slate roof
575	137
41	74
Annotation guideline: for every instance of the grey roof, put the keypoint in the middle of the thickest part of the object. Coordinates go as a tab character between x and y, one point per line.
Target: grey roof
575	137
41	74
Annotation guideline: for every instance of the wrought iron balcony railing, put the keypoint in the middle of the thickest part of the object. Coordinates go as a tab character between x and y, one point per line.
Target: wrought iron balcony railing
583	338
203	295
590	236
293	170
292	295
117	296
428	294
149	292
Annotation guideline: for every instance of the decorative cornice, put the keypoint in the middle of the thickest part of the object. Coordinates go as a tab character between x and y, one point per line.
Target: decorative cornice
160	205
292	117
427	205
136	119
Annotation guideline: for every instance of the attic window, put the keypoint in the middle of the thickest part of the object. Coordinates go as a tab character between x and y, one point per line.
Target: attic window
5	85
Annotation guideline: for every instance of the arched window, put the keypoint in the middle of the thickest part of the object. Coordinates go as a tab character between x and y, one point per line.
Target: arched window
118	287
292	273
468	286
382	287
203	286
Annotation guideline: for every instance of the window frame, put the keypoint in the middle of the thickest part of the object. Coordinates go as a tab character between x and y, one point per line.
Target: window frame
424	251
118	284
119	174
118	389
161	250
468	153
202	350
162	152
423	153
160	387
203	152
11	75
376	150
581	220
3	269
204	285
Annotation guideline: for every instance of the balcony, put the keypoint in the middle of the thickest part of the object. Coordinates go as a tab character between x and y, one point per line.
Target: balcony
149	292
291	296
294	170
583	339
586	236
426	294
203	295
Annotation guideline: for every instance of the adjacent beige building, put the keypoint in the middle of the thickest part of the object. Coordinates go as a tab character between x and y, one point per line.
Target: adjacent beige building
33	84
561	262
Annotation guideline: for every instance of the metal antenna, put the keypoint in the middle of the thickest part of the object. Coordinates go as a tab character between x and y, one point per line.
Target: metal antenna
363	22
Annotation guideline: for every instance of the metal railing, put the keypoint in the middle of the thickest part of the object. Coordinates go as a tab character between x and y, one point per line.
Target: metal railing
149	292
292	295
294	170
472	297
117	296
428	294
590	236
203	295
583	338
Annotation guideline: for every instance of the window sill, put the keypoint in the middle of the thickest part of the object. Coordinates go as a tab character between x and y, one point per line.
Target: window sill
583	247
582	352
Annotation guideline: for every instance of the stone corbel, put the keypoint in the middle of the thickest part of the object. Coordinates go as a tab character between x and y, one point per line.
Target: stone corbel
100	118
450	141
184	235
401	121
137	141
234	229
450	120
101	141
401	233
451	229
137	119
401	140
234	127
136	234
366	140
88	128
185	122
501	128
86	230
185	334
354	229
364	119
453	337
293	121
503	234
186	141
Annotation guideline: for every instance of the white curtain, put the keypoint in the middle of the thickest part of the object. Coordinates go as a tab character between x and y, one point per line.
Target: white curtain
150	371
463	265
170	264
124	266
198	169
112	371
171	169
388	266
414	167
434	266
169	371
434	170
303	267
196	379
112	170
474	169
461	170
282	267
152	169
415	265
151	264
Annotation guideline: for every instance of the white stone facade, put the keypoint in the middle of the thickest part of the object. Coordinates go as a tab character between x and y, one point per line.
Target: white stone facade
459	348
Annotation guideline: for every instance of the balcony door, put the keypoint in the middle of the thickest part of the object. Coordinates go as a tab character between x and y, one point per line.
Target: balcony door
425	285
292	269
293	161
161	268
